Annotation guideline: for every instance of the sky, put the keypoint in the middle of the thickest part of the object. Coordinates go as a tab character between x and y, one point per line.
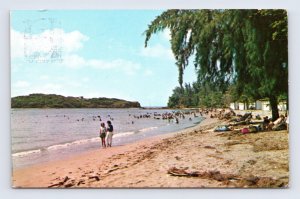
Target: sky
92	53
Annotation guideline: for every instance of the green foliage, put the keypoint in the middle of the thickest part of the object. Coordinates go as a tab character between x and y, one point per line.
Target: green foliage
197	96
244	48
58	101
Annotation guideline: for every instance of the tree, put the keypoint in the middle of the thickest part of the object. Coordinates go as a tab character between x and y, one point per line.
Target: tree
196	95
175	99
245	48
182	97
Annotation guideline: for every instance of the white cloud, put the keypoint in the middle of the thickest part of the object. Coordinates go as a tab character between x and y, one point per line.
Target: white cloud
44	77
76	61
17	43
157	51
69	43
57	39
22	84
126	66
148	72
73	41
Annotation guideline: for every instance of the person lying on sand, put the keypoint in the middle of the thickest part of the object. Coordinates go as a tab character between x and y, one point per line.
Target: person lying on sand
276	123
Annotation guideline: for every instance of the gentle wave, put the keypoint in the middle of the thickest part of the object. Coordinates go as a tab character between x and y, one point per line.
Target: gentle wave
25	153
66	145
123	134
148	129
134	132
56	147
77	142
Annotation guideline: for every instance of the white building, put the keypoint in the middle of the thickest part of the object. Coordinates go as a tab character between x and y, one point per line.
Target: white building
234	105
242	106
282	106
258	105
265	106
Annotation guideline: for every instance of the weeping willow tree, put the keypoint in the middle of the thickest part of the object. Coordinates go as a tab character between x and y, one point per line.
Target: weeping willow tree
247	48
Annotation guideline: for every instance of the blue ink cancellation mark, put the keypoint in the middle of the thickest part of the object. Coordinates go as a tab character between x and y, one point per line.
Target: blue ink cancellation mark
43	41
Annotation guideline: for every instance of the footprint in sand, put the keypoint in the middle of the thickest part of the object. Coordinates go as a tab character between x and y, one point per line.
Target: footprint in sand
177	158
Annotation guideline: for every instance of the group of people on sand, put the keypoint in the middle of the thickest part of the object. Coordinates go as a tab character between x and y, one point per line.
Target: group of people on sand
106	134
277	124
246	123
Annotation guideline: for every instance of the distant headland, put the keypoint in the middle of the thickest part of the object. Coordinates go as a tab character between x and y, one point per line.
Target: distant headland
39	100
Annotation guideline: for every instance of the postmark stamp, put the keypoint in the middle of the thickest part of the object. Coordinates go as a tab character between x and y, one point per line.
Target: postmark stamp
43	40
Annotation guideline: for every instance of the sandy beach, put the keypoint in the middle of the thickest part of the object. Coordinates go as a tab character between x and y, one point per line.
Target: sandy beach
196	157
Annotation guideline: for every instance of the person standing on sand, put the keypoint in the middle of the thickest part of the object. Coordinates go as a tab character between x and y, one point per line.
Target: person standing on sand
102	134
109	136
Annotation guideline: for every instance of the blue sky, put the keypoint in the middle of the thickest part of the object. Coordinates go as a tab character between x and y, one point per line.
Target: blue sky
92	54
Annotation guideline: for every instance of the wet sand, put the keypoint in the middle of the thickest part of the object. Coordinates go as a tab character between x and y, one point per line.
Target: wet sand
196	157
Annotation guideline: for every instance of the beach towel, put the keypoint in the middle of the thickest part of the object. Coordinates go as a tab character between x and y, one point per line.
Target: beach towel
222	128
245	130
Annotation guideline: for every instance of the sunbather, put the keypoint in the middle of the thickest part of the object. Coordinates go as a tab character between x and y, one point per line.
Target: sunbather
276	123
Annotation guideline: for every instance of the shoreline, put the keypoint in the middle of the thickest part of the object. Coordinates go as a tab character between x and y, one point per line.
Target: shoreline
19	175
142	164
93	145
48	135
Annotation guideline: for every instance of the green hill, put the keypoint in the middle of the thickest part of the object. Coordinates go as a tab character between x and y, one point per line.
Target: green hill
59	101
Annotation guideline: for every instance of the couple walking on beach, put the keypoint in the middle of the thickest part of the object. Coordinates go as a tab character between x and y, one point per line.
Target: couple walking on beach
106	134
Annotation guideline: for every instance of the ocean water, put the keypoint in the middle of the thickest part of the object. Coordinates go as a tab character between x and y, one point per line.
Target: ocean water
41	135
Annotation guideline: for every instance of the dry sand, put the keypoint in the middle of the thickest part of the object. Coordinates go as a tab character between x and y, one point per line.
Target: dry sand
197	157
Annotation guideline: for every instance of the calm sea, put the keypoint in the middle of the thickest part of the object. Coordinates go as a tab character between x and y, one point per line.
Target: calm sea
41	135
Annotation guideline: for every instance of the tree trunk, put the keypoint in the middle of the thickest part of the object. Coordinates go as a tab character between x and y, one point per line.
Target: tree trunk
274	107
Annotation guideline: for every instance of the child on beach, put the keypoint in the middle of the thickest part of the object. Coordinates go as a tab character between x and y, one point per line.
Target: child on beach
109	136
103	134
